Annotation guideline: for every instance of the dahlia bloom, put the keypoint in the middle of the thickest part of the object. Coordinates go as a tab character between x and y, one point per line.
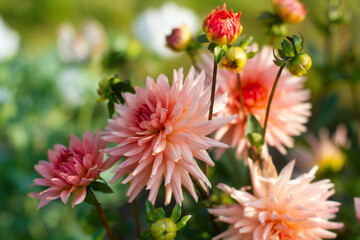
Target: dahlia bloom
324	151
71	169
291	11
280	207
160	130
357	208
222	27
289	109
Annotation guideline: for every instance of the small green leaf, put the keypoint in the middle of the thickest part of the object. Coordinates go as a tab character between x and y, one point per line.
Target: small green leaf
299	43
90	199
161	213
176	213
212	46
282	54
287	49
111	107
182	223
203	39
122	87
146	235
253	132
101	186
219	52
151	214
251	54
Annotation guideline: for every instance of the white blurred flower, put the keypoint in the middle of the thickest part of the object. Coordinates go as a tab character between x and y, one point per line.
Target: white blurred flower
78	46
75	86
152	26
9	41
5	95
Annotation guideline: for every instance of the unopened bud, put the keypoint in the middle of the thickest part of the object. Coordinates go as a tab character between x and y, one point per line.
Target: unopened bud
104	89
235	59
299	65
291	11
222	27
164	229
179	38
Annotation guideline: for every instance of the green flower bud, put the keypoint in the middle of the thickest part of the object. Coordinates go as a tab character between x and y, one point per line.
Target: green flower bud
104	89
299	65
164	229
235	59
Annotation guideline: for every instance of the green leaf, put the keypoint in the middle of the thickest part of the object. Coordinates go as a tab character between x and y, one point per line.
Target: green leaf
253	132
203	39
299	43
282	54
122	87
146	235
251	54
90	199
219	52
287	49
111	107
151	215
182	223
212	46
161	213
176	213
101	186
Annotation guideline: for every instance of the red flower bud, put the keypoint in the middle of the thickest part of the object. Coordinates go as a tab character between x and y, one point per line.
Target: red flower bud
291	11
179	38
222	27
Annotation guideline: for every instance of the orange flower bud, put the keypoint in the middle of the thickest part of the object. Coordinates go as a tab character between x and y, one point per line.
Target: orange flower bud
179	38
222	27
291	11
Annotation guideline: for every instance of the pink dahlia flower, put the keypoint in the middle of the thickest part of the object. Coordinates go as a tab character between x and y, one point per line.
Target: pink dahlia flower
289	110
280	207
357	208
71	169
160	130
222	27
325	151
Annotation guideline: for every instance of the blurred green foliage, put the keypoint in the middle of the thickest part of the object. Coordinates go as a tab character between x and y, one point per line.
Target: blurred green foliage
36	115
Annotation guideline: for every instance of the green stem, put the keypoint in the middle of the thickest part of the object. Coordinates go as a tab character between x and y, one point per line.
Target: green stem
240	95
136	217
212	100
102	215
269	104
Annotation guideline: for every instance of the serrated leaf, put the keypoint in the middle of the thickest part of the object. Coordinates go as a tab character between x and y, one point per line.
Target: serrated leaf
299	43
253	132
182	223
202	39
101	186
282	54
219	52
90	199
176	213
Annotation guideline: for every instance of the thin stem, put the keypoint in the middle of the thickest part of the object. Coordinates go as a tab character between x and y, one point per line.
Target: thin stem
272	40
136	217
102	215
269	104
212	100
240	95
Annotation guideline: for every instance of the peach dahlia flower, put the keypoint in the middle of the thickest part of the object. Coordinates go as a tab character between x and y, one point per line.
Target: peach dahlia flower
71	169
160	130
289	109
280	208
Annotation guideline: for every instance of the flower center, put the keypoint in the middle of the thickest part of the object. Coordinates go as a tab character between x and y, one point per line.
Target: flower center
149	121
66	162
253	94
